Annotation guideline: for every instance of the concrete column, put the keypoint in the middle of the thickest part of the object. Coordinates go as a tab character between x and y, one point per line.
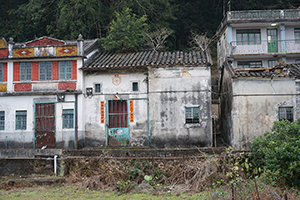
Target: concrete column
80	51
11	44
10	76
282	33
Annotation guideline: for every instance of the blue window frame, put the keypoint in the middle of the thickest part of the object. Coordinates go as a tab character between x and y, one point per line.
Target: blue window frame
1	71
45	70
65	70
2	120
21	119
25	71
68	118
286	113
192	115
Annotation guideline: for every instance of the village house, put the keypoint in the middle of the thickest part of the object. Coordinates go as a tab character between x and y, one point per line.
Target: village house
148	98
41	92
257	86
71	94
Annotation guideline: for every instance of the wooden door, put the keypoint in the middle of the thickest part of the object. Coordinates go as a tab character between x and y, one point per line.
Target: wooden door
45	125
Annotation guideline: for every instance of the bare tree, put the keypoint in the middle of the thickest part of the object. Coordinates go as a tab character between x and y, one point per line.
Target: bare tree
157	38
200	41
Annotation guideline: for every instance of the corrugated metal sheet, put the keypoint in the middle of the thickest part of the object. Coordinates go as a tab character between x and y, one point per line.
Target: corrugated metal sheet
109	60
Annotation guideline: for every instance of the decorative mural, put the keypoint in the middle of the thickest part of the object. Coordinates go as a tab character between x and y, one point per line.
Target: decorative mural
66	51
2	43
23	52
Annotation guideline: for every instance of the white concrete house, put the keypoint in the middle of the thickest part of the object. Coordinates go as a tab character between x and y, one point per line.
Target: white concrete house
41	92
254	92
156	99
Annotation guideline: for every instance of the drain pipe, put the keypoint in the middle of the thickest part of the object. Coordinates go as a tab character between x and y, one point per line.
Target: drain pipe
55	165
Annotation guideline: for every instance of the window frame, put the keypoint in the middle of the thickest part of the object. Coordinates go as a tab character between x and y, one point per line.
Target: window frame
282	111
45	66
249	64
270	63
191	119
248	36
297	35
65	71
100	87
25	67
135	86
21	121
1	72
2	120
68	118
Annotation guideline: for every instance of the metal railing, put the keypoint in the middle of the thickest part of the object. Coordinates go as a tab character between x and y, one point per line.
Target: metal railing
265	47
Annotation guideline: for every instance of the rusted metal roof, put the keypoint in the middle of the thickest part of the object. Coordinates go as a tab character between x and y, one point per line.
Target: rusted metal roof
109	60
280	70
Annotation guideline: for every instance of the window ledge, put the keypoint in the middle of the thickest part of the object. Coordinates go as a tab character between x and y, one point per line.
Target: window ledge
192	125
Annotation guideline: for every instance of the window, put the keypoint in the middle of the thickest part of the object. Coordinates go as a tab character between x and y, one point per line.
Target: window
286	113
297	61
21	119
249	64
68	118
97	88
192	114
2	120
65	70
297	35
45	70
135	86
248	36
25	71
1	71
272	63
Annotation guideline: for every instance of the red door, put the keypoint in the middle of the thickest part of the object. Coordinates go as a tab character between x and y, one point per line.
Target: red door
45	125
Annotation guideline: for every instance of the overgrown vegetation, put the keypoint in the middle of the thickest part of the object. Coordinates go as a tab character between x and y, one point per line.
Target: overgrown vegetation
278	152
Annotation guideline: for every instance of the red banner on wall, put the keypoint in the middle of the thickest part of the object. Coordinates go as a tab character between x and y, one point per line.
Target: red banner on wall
102	106
131	112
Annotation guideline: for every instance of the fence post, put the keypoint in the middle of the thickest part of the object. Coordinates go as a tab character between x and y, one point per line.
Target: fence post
256	189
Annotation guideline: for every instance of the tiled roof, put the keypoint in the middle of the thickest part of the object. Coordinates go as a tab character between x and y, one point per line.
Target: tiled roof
280	70
109	60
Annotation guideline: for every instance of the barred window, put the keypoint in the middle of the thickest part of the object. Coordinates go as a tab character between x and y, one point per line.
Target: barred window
65	70
249	64
45	70
2	120
68	118
135	86
286	113
192	114
98	88
25	71
21	119
297	35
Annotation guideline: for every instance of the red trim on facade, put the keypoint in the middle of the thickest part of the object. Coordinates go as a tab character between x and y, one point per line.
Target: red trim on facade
55	70
65	86
23	87
45	41
4	72
35	71
74	69
3	53
16	71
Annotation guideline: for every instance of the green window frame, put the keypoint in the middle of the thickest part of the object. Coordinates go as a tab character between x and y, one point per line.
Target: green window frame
68	118
248	36
25	71
192	115
135	86
97	88
2	120
65	70
249	64
45	70
297	35
21	120
1	72
286	113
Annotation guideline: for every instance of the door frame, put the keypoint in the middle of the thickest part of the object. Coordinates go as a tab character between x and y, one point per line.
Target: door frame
272	41
107	118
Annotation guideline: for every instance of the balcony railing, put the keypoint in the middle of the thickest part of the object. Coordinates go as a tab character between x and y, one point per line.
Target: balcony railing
265	47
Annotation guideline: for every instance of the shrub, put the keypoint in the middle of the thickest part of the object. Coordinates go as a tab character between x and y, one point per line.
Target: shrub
279	151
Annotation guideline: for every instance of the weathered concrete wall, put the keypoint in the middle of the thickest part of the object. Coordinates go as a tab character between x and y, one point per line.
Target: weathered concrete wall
171	89
226	107
223	47
255	106
28	153
116	82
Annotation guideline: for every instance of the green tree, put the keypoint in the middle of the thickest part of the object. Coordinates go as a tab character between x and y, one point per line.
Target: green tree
125	33
279	151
